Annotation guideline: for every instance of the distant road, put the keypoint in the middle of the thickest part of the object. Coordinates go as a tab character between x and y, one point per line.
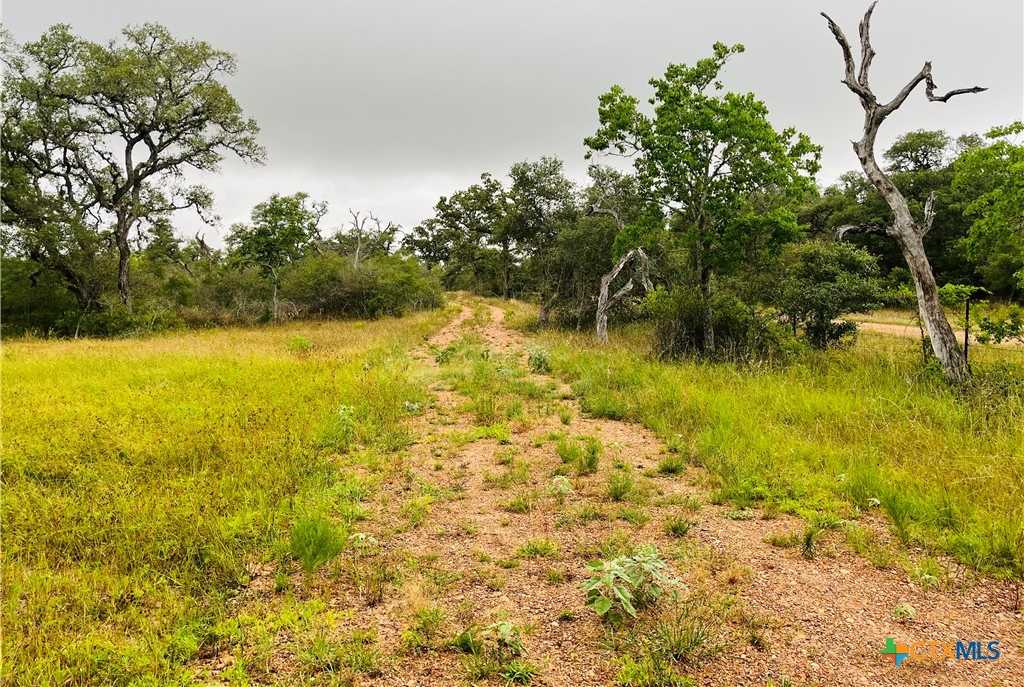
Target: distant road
911	331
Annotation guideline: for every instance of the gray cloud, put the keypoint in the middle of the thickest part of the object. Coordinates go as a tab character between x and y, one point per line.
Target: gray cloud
386	105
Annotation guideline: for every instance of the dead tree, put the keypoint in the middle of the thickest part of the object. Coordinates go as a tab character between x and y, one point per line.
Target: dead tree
908	232
641	271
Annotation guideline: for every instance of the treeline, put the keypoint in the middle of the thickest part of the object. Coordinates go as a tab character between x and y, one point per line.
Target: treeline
96	142
276	267
721	215
718	230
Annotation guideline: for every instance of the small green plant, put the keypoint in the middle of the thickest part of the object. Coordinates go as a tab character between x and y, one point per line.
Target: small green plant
904	612
539	361
634	515
788	540
520	503
620	485
808	540
649	670
538	548
678	526
565	415
672	464
618	587
422	632
314	541
560	487
741	514
340	431
357	653
518	672
300	344
416	508
592	449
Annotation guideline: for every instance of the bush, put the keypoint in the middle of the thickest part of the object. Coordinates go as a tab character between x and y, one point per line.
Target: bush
740	332
822	280
329	284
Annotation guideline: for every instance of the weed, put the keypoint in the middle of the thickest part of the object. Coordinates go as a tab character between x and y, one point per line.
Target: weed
565	415
539	361
421	634
518	672
649	670
538	548
788	540
620	485
520	503
616	588
903	613
672	464
314	541
634	515
678	526
415	510
300	344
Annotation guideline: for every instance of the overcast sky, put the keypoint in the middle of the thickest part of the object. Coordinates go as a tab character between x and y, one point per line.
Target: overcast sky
385	105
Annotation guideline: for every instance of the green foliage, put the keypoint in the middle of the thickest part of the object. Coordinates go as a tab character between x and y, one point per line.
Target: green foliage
820	282
617	588
281	228
422	633
620	485
990	180
315	541
678	526
741	333
329	284
538	361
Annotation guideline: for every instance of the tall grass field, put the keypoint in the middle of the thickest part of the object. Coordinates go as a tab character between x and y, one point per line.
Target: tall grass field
835	435
143	477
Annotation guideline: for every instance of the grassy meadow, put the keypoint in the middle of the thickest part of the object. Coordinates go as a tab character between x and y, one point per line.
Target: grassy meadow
143	477
835	435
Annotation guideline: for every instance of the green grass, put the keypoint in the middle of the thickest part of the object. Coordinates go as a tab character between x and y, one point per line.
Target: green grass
141	475
834	433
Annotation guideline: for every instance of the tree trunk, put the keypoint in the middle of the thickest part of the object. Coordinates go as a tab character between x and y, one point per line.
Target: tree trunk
706	315
909	235
604	302
907	231
124	253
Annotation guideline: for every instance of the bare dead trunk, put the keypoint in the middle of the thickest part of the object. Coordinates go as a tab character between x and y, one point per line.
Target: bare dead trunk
605	302
906	230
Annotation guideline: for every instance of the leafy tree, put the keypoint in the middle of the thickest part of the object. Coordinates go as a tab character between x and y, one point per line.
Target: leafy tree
821	281
542	202
990	179
97	138
280	230
713	162
918	150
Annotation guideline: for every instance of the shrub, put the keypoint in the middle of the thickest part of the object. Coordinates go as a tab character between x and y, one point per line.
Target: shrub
330	284
539	361
740	332
618	587
314	541
822	280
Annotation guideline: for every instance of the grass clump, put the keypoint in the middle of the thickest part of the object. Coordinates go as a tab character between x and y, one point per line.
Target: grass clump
315	541
421	634
538	548
620	485
678	526
521	503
